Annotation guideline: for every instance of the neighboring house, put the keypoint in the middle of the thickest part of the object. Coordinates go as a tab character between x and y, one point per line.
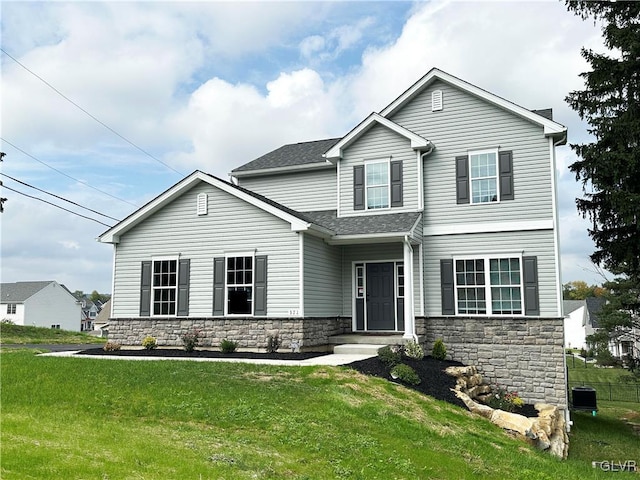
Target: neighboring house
434	218
40	304
90	311
101	322
593	307
575	314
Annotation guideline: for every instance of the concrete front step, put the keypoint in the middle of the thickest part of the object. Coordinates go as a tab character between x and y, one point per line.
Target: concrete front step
370	339
356	349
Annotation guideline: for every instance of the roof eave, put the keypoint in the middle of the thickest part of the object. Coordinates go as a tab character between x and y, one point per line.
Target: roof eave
363	238
276	170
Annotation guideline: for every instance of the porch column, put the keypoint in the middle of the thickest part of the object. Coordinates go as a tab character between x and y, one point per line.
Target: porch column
409	320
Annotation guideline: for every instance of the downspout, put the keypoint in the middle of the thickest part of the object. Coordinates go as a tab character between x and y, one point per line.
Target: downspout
421	157
409	319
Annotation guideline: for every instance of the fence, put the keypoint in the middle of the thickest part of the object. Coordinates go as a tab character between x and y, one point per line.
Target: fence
616	392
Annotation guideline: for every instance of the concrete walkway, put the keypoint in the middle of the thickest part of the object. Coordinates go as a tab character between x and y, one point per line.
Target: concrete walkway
335	359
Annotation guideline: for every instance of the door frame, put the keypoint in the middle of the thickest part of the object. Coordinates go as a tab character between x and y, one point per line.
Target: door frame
354	292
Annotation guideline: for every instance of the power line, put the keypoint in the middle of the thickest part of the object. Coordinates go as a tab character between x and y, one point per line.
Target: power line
57	206
59	197
90	115
62	173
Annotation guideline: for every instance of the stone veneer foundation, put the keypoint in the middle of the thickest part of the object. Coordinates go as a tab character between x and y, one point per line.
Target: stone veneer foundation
521	354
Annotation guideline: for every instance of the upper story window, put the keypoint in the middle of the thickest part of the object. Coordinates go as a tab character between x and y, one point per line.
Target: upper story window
484	177
11	308
164	287
377	184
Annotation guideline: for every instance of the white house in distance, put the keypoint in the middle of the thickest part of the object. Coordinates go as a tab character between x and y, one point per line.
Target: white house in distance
40	304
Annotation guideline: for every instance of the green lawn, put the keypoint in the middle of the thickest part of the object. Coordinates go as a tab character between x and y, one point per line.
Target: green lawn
17	334
579	372
113	419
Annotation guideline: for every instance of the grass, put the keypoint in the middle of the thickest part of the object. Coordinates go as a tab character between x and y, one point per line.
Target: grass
578	372
17	334
115	419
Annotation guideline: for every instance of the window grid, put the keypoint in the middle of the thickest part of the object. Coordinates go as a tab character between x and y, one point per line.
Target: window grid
505	279
359	281
11	308
240	285
484	177
400	279
470	279
377	182
165	284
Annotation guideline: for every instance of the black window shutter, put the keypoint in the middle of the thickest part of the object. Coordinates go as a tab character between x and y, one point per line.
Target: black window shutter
446	283
218	286
260	285
396	183
183	287
358	187
531	295
145	290
462	179
506	175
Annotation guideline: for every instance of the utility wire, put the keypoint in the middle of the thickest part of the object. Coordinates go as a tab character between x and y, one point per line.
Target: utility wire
59	197
90	115
57	206
62	173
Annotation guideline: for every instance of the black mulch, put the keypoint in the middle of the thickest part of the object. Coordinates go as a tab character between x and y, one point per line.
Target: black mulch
435	382
175	352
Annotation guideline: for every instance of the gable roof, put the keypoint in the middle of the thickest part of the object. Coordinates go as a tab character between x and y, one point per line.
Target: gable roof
551	128
297	220
417	142
18	292
594	305
303	155
570	306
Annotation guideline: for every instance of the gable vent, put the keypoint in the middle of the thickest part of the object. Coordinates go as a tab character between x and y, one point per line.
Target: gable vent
436	100
202	204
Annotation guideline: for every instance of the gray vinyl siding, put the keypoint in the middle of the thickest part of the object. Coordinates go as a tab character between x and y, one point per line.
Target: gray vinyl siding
322	278
379	143
469	123
302	191
232	226
534	243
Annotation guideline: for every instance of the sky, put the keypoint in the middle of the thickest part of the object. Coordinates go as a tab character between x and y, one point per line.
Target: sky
112	103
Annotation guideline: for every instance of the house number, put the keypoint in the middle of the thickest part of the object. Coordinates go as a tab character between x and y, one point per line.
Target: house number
294	311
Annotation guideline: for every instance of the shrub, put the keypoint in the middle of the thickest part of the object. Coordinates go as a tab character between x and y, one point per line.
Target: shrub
149	342
405	374
502	399
228	346
111	347
190	340
413	349
390	356
273	343
439	350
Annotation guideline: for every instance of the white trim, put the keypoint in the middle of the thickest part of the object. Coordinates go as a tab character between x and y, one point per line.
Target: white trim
335	152
421	282
368	238
420	181
113	279
551	128
489	227
202	204
239	253
409	311
556	227
338	191
301	274
164	258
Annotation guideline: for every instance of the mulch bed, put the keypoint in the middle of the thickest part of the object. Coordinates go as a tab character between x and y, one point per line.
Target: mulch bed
175	352
435	382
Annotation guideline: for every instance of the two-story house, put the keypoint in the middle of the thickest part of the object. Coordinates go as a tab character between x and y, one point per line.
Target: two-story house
434	218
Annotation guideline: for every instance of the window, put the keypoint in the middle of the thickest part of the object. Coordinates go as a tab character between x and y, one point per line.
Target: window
490	286
400	279
484	177
164	287
11	308
240	285
377	184
56	326
359	280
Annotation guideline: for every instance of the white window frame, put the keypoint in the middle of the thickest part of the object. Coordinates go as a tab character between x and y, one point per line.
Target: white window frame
487	284
367	163
400	265
154	288
227	256
12	308
472	153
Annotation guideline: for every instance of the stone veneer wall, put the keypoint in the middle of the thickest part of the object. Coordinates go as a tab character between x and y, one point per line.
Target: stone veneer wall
248	332
522	354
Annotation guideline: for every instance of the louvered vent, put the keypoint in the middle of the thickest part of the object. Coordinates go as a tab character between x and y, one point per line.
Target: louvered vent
202	204
436	100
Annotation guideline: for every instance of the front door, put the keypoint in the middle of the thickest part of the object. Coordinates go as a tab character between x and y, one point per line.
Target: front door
380	296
